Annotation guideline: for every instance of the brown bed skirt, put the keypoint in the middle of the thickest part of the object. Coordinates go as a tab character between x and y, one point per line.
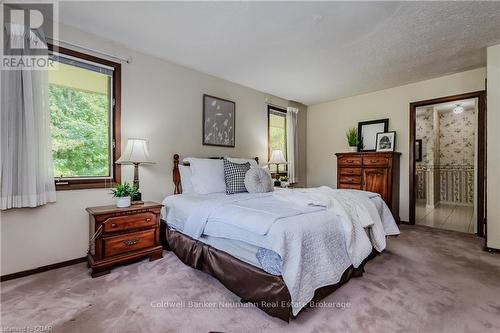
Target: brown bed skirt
266	291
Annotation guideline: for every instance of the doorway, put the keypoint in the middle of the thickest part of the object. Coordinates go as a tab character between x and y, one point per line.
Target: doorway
447	163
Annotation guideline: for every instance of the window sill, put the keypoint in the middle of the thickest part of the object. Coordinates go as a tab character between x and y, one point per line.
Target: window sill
83	184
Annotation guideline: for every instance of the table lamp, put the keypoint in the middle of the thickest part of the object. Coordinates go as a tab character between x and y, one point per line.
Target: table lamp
136	152
277	157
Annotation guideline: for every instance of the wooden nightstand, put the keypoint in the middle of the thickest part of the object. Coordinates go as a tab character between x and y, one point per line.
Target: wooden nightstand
122	235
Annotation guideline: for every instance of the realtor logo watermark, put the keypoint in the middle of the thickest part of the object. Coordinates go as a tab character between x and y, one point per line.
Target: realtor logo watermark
27	25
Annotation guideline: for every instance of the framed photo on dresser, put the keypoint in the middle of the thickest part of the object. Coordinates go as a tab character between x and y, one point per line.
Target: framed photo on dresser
218	121
367	133
386	142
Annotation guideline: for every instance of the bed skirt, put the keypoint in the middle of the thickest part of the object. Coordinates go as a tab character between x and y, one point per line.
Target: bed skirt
266	291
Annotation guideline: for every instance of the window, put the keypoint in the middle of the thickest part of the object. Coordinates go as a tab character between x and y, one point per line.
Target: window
276	135
84	108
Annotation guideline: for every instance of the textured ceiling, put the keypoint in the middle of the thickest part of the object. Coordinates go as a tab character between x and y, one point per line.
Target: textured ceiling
308	52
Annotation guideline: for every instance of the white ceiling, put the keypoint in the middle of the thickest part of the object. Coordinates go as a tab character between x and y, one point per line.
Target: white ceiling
309	52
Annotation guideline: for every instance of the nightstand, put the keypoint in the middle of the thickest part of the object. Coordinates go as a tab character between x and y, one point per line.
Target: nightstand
123	235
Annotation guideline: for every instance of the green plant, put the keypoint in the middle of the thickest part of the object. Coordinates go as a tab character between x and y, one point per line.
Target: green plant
352	136
283	178
124	190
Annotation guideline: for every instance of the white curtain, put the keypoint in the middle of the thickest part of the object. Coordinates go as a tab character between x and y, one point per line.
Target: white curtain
292	146
27	178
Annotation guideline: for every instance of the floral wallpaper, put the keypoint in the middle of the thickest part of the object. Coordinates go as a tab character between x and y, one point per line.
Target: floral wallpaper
457	138
426	134
455	158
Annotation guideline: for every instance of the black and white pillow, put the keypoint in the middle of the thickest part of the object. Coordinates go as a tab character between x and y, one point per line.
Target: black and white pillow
234	175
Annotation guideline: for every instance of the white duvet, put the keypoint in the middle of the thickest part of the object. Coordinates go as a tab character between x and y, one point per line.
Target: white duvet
318	232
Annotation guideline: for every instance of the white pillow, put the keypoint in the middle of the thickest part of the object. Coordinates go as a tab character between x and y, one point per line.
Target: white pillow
252	161
258	180
207	175
186	182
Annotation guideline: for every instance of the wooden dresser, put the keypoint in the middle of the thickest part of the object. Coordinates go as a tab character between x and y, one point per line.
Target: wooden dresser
371	171
122	235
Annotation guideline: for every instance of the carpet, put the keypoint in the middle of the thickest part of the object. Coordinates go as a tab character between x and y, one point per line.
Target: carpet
427	280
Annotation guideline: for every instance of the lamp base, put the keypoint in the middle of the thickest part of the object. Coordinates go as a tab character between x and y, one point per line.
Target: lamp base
137	197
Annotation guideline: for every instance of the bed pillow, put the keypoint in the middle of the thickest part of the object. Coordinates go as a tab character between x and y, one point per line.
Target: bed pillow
252	161
258	180
186	182
207	175
234	175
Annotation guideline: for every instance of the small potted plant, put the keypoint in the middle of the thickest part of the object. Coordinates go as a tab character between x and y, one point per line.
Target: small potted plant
352	139
284	181
123	193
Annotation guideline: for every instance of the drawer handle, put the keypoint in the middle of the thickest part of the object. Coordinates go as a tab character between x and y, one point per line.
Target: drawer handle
374	161
350	161
113	225
130	242
148	220
350	171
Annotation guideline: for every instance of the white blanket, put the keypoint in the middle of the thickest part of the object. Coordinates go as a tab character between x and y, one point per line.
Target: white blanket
315	252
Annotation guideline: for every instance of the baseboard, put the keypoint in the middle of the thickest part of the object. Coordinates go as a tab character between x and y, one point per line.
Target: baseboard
42	269
405	222
492	250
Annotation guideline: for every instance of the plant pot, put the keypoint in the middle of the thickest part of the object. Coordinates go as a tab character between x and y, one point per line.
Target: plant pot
123	202
352	149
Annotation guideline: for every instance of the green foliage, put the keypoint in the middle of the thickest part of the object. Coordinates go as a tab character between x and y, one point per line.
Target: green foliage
352	136
80	132
124	190
283	178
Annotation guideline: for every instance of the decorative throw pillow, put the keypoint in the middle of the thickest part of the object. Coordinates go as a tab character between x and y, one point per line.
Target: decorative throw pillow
234	175
258	180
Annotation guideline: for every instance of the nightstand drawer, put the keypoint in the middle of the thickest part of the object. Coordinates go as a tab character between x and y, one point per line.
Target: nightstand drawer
350	179
129	242
127	222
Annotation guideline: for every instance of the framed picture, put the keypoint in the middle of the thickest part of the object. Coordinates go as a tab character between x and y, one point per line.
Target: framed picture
418	150
386	141
367	133
218	121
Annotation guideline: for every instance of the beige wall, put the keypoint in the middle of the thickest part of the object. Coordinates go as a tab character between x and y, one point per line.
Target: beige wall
493	150
327	123
162	102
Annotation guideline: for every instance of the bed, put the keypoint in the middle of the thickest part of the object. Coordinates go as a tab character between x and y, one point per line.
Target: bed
268	248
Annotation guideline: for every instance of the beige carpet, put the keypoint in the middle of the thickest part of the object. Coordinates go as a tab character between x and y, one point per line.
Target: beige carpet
426	281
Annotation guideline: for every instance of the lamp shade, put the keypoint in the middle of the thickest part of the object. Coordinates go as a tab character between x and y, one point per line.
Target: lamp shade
136	151
277	157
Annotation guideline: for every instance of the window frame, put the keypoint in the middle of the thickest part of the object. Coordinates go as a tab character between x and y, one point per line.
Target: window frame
90	183
270	109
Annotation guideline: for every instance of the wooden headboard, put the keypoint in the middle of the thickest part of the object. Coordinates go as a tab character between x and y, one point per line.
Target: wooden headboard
176	175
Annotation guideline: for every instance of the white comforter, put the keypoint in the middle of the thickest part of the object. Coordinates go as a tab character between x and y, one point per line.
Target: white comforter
315	253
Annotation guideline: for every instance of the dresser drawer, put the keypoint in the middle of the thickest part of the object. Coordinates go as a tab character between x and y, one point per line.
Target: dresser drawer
344	186
350	161
375	161
350	179
129	242
350	171
127	222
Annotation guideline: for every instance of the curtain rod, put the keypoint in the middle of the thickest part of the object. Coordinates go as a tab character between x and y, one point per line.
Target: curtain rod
127	60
